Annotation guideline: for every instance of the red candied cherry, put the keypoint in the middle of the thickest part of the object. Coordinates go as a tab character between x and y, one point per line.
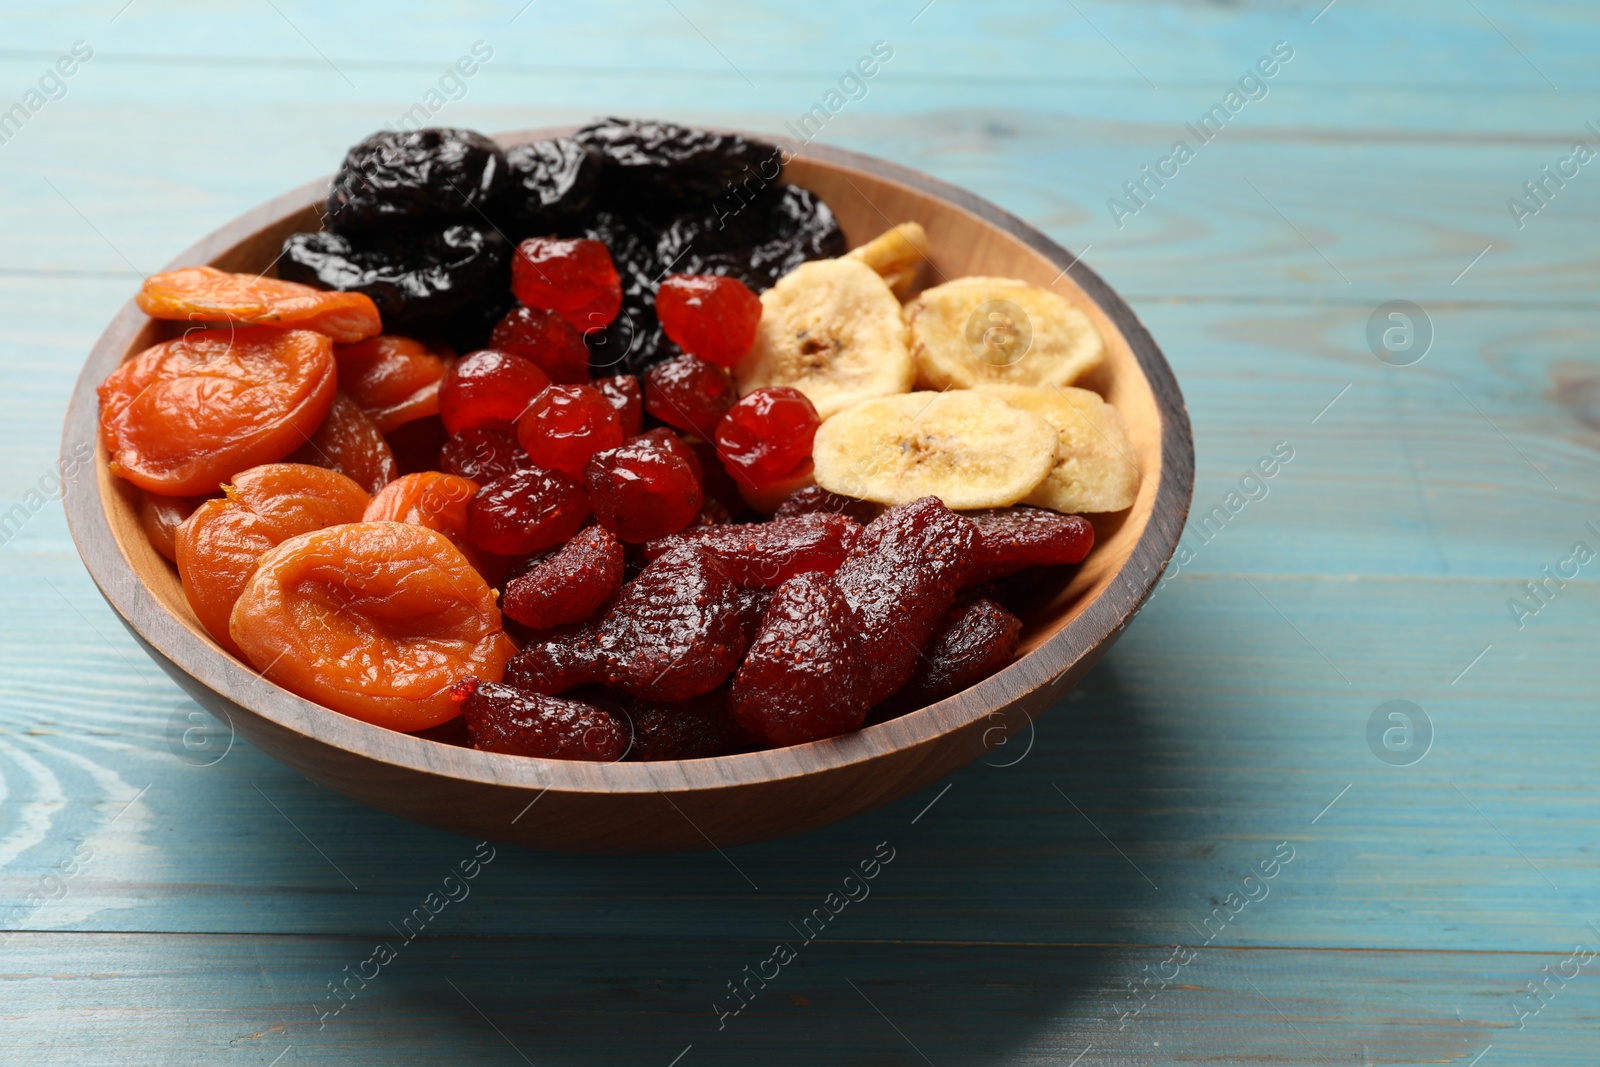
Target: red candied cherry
525	511
488	388
667	438
483	453
709	316
689	393
547	339
642	490
627	397
574	278
565	425
767	436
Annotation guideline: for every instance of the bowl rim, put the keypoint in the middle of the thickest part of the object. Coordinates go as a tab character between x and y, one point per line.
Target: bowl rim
1096	624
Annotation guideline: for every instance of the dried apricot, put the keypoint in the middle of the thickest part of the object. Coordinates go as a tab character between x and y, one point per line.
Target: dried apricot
437	501
184	416
349	442
206	294
217	547
162	515
394	379
378	620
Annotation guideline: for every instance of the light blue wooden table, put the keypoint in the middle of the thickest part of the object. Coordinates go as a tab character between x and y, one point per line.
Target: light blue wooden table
163	905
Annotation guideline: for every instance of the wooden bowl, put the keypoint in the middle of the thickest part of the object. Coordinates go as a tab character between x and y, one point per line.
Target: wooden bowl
688	804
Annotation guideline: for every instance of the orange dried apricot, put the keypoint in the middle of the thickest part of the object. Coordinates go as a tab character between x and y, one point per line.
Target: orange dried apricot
219	545
184	416
206	294
162	515
349	443
377	620
430	498
394	379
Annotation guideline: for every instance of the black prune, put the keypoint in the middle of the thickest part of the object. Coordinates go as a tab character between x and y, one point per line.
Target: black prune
662	168
419	277
757	241
634	340
415	174
551	185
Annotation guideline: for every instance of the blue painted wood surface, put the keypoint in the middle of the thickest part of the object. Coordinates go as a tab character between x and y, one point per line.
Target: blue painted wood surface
156	910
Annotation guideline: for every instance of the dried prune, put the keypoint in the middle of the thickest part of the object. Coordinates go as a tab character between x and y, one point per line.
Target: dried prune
674	633
551	185
689	393
767	554
758	241
1011	539
488	388
900	579
545	338
663	168
483	453
419	276
349	442
218	546
432	173
634	339
972	644
206	294
162	515
500	718
569	586
709	316
525	511
394	379
804	678
696	729
642	490
565	425
183	416
767	435
814	499
378	620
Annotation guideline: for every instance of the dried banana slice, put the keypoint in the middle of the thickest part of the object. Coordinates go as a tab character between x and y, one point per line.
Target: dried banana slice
897	254
1094	468
999	331
967	449
831	329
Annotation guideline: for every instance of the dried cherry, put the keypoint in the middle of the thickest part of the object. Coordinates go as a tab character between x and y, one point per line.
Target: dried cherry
349	442
501	718
403	175
689	393
804	678
767	554
709	316
218	546
569	586
183	416
488	388
767	435
1011	539
377	620
206	294
417	444
393	378
483	453
573	277
642	490
545	338
900	579
525	511
627	398
565	425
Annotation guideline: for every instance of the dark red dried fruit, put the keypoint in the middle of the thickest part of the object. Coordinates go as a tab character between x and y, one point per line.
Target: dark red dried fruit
712	513
696	729
625	394
642	490
715	481
753	604
574	278
417	444
1010	539
565	425
766	554
483	453
547	340
708	315
767	435
488	388
689	393
569	586
667	438
900	579
815	500
674	633
973	643
500	718
524	511
804	678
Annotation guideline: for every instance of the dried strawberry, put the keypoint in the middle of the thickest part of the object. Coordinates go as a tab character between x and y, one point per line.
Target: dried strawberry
900	579
696	729
767	554
814	499
1010	539
500	718
569	586
804	678
973	643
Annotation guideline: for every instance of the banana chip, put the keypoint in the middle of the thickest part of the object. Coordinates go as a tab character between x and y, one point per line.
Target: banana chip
998	331
967	449
1094	468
